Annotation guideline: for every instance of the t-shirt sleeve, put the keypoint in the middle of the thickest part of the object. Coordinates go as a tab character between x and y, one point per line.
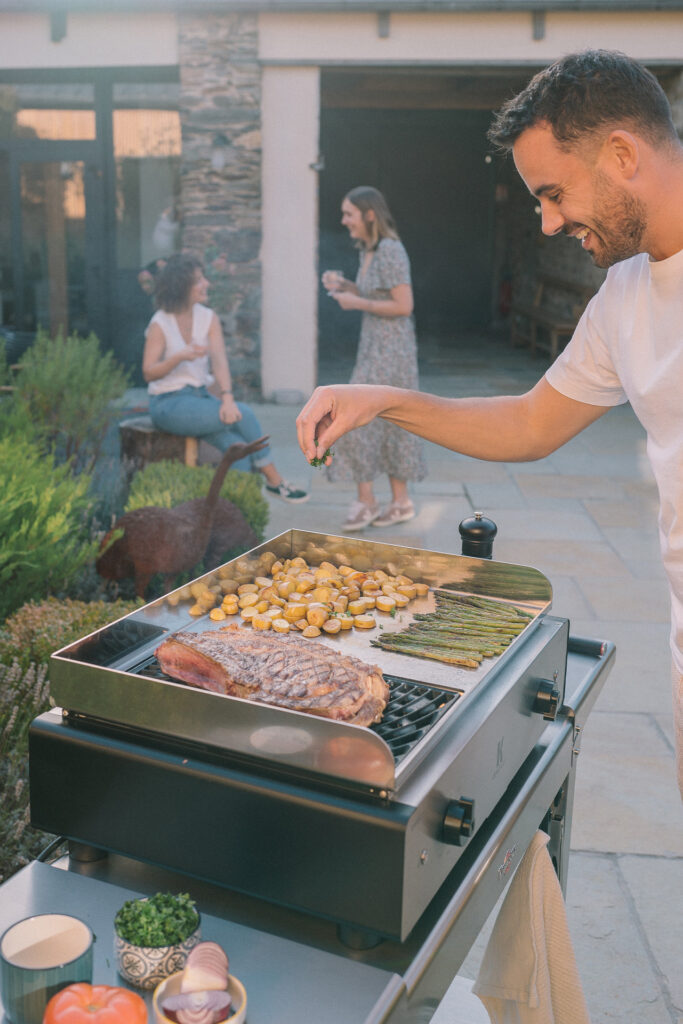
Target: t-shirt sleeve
393	264
584	370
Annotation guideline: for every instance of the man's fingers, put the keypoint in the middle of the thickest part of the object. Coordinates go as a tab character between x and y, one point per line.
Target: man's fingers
313	421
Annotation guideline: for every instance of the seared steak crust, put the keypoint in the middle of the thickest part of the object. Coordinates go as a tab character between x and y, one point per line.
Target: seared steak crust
287	671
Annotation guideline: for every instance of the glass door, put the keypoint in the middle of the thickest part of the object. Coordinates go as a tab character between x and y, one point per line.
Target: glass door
58	238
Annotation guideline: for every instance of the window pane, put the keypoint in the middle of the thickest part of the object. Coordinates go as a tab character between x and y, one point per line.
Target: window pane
147	147
56	124
53	247
51	111
163	95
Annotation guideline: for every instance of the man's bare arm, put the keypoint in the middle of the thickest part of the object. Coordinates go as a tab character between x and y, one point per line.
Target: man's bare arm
516	428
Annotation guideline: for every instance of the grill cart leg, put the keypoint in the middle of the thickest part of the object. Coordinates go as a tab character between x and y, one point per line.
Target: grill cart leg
85	853
558	824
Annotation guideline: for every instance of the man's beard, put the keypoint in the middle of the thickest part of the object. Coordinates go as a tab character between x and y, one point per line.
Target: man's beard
620	222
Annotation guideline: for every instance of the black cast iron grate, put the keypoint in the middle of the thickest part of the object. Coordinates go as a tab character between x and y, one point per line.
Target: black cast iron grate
413	709
110	644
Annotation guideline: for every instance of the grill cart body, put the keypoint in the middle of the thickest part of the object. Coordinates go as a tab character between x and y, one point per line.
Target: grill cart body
294	965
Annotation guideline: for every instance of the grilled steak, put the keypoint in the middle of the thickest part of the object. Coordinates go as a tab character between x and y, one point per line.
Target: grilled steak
287	671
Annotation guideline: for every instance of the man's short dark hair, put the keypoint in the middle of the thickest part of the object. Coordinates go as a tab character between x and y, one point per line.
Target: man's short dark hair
585	93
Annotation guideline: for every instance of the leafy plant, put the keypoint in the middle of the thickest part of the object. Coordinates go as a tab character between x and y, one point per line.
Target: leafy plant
24	694
44	530
161	920
4	368
38	628
166	484
68	386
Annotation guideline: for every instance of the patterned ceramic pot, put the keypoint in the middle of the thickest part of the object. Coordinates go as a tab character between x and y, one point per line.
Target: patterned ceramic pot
146	966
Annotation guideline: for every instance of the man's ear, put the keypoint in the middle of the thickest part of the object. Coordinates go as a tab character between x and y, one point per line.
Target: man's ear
622	151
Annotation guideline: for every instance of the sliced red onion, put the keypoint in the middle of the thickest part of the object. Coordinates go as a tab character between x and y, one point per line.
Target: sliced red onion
208	1007
206	967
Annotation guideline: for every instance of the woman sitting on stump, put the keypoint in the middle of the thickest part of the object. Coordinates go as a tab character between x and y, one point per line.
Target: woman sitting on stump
184	356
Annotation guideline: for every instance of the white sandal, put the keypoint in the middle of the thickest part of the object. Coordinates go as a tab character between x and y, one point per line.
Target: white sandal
360	515
395	513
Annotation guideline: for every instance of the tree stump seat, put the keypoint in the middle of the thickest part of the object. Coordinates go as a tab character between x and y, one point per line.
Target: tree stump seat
142	443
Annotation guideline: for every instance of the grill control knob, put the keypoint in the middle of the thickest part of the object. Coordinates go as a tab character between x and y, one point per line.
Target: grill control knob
546	700
458	823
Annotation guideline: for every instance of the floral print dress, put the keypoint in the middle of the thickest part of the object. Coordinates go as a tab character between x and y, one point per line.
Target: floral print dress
387	354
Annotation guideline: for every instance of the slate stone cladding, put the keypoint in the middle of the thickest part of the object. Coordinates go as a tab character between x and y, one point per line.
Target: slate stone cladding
220	94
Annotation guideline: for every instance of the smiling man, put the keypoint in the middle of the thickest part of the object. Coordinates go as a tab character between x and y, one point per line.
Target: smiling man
593	139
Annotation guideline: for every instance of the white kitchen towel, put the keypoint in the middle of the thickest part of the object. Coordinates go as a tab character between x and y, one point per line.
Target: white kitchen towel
528	974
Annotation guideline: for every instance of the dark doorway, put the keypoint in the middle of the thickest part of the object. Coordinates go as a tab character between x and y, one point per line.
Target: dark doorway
432	166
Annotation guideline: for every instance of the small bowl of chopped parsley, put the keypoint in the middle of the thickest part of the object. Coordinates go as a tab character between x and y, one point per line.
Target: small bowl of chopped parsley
153	936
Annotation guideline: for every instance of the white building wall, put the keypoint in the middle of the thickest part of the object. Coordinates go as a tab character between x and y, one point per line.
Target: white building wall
290	112
462	37
92	40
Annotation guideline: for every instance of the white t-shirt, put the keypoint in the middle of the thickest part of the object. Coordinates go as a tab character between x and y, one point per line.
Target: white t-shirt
195	372
628	346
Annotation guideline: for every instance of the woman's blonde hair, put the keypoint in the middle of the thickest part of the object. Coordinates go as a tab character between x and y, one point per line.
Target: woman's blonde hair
364	198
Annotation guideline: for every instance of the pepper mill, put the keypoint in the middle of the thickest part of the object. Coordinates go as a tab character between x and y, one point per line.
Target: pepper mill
477	534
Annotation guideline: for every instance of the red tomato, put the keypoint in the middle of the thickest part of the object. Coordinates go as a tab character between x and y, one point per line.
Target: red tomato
95	1004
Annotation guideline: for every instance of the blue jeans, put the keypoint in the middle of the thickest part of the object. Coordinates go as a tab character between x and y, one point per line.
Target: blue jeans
194	412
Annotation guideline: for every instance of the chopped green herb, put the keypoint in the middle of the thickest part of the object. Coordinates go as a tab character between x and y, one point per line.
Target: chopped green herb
392	612
319	461
161	920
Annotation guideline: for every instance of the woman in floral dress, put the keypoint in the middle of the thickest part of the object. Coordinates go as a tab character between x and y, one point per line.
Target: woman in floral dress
387	354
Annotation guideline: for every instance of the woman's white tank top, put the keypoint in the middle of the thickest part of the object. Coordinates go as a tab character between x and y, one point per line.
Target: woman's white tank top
195	372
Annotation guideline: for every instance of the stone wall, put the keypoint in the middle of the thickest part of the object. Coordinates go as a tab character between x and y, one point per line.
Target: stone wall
220	95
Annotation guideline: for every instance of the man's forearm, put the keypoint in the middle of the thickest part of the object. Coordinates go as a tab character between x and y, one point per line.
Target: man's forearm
506	428
496	429
511	428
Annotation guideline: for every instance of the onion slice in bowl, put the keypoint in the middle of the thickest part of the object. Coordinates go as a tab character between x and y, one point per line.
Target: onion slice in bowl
208	1007
206	968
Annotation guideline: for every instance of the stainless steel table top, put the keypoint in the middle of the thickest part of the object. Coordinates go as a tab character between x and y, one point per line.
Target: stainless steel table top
285	981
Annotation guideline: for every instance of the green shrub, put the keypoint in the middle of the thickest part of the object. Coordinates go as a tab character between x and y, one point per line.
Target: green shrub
24	694
4	368
44	532
68	386
167	484
37	629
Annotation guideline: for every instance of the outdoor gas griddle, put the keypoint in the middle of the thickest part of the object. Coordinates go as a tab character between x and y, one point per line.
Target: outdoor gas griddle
344	867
